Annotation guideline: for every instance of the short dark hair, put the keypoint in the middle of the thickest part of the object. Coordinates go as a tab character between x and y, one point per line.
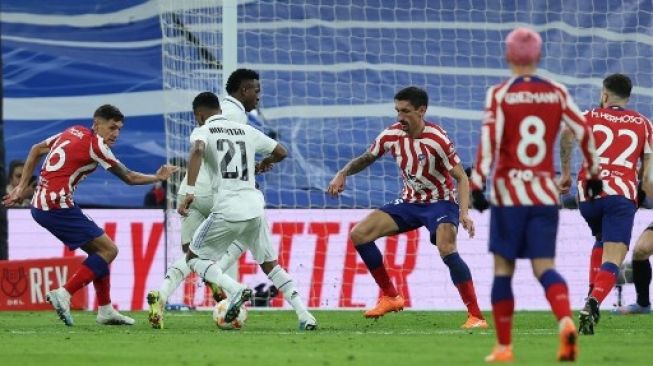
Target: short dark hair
13	165
206	100
416	96
109	112
237	77
619	84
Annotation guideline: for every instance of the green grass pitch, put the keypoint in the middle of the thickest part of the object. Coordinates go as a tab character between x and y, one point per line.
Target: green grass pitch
344	338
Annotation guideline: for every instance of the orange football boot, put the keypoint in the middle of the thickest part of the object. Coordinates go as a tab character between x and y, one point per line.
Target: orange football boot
385	305
474	322
500	353
568	340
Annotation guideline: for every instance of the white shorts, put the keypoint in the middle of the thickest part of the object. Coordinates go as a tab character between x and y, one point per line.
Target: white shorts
214	236
199	210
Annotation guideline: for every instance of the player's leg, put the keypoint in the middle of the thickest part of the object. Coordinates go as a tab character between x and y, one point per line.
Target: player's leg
75	230
508	228
641	274
213	236
104	247
265	255
441	219
618	218
378	224
503	308
592	212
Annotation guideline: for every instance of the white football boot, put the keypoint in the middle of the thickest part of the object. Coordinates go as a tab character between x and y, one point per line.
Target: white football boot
307	321
109	316
60	300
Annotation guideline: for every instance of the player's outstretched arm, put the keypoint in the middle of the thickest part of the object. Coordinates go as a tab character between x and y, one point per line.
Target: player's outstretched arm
278	154
193	170
35	153
566	149
458	173
136	178
337	184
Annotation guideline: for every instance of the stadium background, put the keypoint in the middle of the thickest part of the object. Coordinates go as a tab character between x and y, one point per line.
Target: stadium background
329	71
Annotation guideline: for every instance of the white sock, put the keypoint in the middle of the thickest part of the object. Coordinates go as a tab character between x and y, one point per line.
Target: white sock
282	281
175	274
105	309
234	251
210	271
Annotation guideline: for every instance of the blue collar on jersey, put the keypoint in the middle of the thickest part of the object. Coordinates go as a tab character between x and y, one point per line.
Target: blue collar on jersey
531	78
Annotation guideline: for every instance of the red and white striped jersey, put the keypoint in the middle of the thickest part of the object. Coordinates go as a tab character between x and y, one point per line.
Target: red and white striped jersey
74	154
622	138
523	116
424	162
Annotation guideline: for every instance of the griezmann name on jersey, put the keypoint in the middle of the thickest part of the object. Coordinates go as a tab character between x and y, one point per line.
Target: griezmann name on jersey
523	116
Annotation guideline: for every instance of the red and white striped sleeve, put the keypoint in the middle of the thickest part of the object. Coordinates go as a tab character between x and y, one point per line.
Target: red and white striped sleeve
101	153
487	144
575	120
445	149
381	144
648	143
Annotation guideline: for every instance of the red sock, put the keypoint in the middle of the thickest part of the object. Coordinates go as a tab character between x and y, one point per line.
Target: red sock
383	280
102	290
595	264
468	295
558	296
502	312
81	278
603	284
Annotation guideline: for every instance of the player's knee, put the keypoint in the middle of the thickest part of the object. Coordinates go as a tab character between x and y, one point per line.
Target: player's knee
642	252
358	235
112	252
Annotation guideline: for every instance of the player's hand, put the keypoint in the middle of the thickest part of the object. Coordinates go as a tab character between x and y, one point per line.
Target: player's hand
165	171
14	197
262	167
593	187
337	184
479	201
468	224
564	183
185	206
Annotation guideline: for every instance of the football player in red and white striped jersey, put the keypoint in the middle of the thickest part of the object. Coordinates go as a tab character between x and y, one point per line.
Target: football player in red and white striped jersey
624	138
71	156
429	165
523	116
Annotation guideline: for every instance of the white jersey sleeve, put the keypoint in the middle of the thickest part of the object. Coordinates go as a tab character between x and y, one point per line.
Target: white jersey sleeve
262	143
203	185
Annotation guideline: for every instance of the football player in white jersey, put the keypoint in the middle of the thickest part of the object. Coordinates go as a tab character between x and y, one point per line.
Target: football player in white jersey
227	150
243	88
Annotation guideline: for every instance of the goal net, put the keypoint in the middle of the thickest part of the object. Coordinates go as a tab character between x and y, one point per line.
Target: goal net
329	71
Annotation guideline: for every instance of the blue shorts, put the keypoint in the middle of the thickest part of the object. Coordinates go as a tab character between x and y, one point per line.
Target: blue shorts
410	216
610	218
69	225
524	231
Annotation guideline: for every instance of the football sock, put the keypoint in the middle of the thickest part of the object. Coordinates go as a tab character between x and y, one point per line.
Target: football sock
234	251
595	262
373	259
605	280
210	271
556	292
103	289
285	284
462	279
175	274
503	307
642	280
93	267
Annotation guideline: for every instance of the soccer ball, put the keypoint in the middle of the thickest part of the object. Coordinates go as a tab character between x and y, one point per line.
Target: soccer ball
219	312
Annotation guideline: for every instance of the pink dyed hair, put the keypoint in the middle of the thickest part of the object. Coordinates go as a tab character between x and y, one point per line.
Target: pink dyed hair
523	46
